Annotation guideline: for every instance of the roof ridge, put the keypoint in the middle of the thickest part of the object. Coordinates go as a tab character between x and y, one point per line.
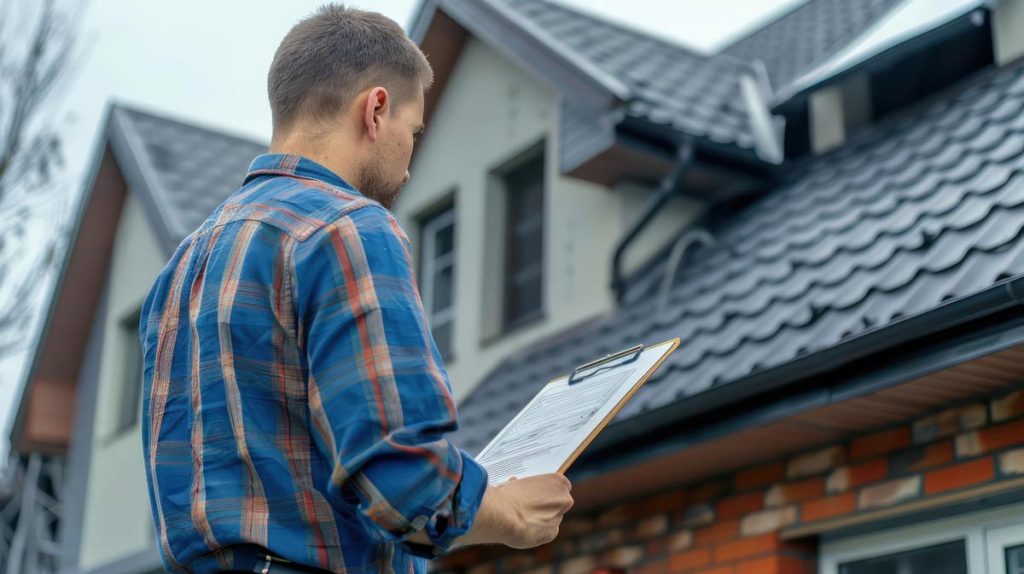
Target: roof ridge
228	133
775	20
624	27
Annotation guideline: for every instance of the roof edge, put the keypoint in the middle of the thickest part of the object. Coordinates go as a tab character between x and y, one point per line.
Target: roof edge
85	196
139	175
1007	294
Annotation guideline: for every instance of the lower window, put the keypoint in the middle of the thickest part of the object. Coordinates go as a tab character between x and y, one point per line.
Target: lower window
990	542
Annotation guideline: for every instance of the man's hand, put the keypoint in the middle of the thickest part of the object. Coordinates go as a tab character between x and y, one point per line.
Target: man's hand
537	505
521	513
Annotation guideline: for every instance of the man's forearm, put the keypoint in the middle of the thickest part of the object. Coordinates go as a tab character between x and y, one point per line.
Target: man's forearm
494	520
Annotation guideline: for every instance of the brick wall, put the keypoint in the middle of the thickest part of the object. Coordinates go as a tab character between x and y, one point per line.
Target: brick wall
732	525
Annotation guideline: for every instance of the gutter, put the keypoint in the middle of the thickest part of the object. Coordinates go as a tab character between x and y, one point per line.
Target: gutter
653	433
668	187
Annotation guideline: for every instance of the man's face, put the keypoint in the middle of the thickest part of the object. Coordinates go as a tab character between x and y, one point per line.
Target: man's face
387	168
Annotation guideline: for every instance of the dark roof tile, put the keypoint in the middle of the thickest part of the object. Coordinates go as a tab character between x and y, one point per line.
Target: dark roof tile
193	169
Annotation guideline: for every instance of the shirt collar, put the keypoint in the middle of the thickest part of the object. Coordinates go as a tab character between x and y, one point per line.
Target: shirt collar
294	166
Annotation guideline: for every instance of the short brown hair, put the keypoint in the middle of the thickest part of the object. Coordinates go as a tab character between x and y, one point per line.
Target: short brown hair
337	52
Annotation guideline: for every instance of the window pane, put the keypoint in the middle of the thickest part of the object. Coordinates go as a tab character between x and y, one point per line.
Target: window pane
524	188
445	240
442	291
950	558
1015	560
526	296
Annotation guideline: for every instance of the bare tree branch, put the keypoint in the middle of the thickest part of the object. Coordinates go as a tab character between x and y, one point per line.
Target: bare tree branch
37	42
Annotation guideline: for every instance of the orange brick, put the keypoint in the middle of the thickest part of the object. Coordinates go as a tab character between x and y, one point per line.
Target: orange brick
989	439
718	570
718	532
746	547
880	443
736	506
850	477
828	507
690	560
776	565
761	476
959	476
938	454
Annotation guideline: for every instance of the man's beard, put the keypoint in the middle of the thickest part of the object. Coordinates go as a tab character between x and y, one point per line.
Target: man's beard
374	185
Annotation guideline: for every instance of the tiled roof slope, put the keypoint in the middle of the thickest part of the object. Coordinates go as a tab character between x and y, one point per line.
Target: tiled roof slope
669	84
808	34
923	209
189	169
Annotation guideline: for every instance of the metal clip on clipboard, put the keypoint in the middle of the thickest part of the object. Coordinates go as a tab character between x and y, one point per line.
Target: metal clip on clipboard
602	364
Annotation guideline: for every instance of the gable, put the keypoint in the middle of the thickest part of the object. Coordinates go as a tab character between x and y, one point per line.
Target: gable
491	108
46	411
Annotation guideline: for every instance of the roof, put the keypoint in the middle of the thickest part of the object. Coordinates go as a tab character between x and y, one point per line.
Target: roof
910	216
807	35
668	84
183	171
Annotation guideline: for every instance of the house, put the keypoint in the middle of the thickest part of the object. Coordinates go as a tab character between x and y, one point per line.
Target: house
829	213
153	180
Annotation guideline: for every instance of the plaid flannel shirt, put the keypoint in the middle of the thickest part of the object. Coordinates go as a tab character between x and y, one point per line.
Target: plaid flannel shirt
294	399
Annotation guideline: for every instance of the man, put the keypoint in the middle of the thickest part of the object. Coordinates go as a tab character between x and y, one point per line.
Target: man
295	405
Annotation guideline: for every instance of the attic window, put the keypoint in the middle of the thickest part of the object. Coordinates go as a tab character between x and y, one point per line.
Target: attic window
130	396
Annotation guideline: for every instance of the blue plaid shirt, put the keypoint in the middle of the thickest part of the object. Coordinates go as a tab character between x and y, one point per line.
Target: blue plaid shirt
294	399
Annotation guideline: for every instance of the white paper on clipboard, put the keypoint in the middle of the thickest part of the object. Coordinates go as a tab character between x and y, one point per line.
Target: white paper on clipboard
560	421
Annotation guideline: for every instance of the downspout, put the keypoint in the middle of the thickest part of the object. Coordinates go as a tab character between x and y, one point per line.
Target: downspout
668	187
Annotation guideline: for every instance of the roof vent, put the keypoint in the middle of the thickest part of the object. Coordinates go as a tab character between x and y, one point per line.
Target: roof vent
838	110
1007	22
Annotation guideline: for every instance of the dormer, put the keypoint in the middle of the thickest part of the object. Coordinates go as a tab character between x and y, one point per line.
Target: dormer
916	49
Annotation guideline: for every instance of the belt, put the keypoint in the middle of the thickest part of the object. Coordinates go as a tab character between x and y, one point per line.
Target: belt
257	559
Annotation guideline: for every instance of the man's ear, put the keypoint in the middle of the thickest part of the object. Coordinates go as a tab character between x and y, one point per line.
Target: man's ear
378	102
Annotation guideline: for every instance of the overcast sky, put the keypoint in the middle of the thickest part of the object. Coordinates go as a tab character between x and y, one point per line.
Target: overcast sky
206	62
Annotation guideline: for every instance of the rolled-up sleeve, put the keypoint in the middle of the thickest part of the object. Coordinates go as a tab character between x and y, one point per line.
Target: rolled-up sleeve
379	397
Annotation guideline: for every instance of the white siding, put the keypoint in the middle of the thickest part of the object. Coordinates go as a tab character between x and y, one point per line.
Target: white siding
117	519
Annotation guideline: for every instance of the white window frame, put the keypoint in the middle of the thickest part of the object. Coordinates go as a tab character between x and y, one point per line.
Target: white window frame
985	534
431	265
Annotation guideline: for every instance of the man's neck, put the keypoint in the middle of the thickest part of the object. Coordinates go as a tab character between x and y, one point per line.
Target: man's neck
331	154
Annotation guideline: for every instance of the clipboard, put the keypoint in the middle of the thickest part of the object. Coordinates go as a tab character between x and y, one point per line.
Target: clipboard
568	413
